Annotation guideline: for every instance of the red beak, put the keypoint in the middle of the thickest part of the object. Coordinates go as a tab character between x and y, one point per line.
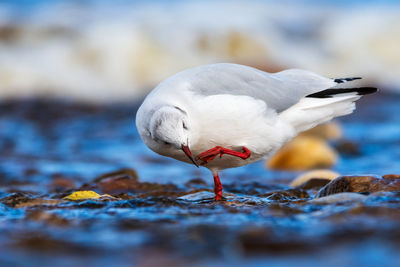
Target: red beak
188	153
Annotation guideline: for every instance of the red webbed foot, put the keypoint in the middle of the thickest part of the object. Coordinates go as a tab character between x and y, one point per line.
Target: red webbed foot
210	154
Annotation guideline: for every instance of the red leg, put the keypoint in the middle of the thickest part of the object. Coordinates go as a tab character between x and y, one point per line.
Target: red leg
217	186
210	154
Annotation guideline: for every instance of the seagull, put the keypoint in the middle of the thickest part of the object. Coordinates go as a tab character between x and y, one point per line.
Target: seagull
228	115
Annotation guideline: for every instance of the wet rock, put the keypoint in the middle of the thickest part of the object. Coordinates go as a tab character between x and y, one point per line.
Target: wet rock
38	202
255	240
391	176
348	148
314	183
286	195
312	179
15	199
160	192
118	185
122	181
150	220
360	184
196	182
327	131
253	188
339	197
44	243
48	218
23	200
376	211
123	173
124	196
60	183
303	153
198	196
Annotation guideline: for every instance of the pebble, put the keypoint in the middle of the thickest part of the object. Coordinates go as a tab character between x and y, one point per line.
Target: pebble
360	184
303	153
340	197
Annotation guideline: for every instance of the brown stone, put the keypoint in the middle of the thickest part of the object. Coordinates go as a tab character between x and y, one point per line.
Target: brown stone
49	218
128	173
122	181
38	202
391	176
115	185
62	183
23	200
322	174
314	183
286	195
360	184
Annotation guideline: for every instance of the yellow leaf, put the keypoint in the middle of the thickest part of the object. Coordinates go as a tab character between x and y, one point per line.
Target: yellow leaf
78	195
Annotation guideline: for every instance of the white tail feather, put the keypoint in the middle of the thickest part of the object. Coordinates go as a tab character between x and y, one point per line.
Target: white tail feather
309	112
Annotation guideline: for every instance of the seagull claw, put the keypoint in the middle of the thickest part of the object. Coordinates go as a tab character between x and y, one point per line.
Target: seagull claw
210	154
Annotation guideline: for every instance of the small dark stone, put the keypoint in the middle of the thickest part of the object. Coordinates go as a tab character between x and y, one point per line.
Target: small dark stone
31	172
195	182
348	148
360	184
286	195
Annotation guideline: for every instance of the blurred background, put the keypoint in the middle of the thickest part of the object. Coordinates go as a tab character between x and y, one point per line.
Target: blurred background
74	72
111	51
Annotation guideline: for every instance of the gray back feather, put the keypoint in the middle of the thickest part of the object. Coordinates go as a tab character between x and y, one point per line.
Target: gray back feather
279	90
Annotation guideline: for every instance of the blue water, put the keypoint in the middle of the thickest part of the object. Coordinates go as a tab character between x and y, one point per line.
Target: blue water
41	140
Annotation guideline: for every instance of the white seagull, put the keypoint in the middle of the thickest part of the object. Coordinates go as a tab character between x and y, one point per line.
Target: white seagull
230	115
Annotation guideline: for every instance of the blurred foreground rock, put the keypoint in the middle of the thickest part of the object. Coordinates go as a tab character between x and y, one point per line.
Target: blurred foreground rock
326	131
339	198
361	184
303	153
309	150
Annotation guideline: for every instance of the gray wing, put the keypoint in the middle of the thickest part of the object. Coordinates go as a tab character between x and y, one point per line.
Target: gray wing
279	90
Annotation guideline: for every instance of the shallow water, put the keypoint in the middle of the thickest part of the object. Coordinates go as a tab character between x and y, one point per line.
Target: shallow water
50	149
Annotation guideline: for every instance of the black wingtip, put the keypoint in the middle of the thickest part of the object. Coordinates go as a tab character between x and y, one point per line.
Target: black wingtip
332	92
367	90
343	80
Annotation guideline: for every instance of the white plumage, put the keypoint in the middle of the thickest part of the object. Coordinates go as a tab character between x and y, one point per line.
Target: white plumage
235	106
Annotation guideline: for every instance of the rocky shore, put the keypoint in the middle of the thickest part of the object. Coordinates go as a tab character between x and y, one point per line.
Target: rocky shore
76	186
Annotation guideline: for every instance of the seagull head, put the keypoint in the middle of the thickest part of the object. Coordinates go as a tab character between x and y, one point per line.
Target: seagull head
170	129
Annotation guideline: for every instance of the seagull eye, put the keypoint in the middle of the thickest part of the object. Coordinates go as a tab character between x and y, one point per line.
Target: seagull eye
184	126
166	143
